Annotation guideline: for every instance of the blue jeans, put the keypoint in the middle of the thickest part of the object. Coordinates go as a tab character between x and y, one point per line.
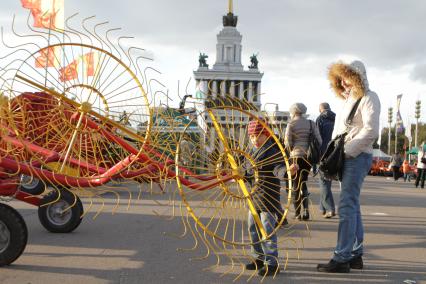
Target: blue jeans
267	251
350	234
326	196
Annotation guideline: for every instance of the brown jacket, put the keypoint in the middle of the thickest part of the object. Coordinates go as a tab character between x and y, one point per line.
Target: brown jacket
297	136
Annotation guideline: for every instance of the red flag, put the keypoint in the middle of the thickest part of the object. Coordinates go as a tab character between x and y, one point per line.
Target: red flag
44	20
90	63
30	4
47	14
46	58
69	72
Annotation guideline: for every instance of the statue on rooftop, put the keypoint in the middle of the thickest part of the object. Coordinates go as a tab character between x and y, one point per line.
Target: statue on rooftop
202	60
254	62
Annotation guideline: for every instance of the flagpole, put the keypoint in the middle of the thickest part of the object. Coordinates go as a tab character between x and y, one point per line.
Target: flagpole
48	44
396	136
398	120
409	149
389	129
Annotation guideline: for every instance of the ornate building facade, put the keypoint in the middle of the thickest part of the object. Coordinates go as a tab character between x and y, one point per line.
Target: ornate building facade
228	77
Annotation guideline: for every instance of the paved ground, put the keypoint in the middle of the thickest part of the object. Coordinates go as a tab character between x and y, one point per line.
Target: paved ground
136	246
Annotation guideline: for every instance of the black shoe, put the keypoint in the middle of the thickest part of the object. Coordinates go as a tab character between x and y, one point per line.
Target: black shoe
297	217
305	214
334	267
257	264
283	225
269	270
329	215
356	263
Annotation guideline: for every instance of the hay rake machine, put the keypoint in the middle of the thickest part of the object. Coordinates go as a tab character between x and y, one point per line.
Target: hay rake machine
76	114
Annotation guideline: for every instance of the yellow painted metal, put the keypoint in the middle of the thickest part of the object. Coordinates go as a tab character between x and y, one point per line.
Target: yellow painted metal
74	135
77	105
124	130
231	6
66	170
104	101
238	178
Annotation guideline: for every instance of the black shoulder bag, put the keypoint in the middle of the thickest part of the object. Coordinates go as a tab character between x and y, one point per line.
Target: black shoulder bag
331	163
314	147
423	159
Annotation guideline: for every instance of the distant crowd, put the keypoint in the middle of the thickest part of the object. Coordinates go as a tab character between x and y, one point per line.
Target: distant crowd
402	168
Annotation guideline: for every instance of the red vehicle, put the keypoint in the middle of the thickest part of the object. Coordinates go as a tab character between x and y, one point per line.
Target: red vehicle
380	167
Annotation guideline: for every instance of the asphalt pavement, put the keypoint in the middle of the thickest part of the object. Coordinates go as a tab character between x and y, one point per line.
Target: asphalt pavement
143	243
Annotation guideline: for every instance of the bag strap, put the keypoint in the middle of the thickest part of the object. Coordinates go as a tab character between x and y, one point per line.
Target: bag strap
310	131
352	114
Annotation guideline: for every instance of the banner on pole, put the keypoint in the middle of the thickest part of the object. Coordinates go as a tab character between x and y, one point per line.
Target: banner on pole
48	57
47	14
88	65
408	132
399	123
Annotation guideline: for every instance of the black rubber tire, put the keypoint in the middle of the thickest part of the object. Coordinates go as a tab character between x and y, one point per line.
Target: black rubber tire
13	234
34	187
57	222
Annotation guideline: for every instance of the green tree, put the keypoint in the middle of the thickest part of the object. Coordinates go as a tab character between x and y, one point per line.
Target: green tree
422	132
401	138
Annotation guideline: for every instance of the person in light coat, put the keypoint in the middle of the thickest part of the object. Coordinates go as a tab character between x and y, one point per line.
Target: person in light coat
349	82
297	137
421	167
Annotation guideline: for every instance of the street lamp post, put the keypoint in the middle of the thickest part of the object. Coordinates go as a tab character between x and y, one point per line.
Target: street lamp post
417	116
390	115
396	136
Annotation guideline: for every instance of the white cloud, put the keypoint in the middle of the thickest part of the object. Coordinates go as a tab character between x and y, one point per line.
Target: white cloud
296	41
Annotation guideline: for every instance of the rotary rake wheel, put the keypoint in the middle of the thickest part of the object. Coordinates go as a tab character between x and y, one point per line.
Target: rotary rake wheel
72	116
228	172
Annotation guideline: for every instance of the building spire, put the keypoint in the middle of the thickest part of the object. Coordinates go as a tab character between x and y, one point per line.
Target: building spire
230	20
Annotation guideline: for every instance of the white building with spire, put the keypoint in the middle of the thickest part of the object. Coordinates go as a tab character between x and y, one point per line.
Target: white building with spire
227	77
227	80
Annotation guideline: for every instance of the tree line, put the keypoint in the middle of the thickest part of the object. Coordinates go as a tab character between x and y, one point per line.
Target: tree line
402	140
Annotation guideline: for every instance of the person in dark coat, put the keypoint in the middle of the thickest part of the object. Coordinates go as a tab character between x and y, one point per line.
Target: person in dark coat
265	196
325	124
396	163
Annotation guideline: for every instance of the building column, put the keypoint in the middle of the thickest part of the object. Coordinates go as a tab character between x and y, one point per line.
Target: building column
250	91
200	91
258	92
204	88
222	88
214	92
238	60
232	89
241	93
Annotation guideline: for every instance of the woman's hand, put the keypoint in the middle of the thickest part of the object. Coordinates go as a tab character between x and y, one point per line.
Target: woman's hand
293	169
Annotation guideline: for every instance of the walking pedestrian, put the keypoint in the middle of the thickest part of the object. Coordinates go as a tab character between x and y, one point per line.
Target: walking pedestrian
325	124
395	164
421	166
349	82
297	140
406	170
